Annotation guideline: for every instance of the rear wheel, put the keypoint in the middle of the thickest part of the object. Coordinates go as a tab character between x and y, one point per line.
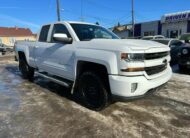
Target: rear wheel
3	53
26	70
93	91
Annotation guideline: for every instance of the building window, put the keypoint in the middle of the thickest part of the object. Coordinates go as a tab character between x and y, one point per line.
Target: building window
44	33
180	32
150	33
26	39
167	35
12	40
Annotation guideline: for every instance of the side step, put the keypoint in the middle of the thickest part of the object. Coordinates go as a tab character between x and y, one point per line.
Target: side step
60	81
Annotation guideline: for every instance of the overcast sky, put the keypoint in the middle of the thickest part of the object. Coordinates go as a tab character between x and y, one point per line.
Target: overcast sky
33	13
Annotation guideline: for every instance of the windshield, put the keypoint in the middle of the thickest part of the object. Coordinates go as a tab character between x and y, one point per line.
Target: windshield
87	32
177	43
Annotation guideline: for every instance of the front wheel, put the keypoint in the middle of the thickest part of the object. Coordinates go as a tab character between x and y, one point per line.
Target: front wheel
26	70
182	68
93	91
3	53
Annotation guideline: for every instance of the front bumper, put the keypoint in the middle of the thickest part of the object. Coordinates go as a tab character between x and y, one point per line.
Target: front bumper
148	93
121	86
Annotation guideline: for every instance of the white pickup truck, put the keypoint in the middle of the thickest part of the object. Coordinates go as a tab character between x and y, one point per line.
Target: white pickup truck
94	62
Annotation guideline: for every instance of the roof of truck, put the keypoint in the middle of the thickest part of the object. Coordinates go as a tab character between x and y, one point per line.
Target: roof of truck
74	22
80	22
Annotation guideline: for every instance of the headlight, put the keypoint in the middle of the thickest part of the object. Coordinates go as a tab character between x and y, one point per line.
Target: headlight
185	51
132	57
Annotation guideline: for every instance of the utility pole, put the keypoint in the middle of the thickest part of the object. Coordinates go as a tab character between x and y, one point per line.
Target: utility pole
58	11
133	19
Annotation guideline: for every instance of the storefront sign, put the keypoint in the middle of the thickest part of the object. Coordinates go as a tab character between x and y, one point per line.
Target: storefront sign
176	17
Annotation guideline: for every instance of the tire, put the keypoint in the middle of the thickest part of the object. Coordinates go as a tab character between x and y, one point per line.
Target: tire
26	71
93	91
3	53
182	68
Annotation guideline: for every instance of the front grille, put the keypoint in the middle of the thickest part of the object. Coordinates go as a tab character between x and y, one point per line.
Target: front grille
155	69
150	56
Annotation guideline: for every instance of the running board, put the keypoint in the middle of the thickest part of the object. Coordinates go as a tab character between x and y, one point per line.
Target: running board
61	82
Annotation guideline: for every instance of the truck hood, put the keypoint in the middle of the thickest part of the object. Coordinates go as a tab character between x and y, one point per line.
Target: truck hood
121	44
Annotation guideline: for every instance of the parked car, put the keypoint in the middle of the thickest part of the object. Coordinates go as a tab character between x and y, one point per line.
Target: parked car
152	37
175	46
4	48
184	58
94	62
185	38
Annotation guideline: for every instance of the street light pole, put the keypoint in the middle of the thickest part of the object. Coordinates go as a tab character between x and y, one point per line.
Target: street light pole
133	19
58	11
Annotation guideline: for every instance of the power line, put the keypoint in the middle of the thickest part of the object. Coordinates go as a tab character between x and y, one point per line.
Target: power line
107	21
121	19
98	18
104	7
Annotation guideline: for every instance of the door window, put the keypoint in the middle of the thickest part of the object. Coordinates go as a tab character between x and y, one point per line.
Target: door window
44	33
11	40
60	29
176	43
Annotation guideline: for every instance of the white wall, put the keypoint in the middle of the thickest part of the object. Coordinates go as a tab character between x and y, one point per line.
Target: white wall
174	26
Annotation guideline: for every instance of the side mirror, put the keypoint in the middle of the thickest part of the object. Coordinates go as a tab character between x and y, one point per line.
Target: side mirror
62	38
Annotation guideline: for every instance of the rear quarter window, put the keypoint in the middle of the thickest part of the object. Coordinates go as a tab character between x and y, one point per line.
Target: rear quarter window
44	33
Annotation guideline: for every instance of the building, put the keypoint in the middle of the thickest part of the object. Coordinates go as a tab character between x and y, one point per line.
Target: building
175	24
9	35
122	31
171	26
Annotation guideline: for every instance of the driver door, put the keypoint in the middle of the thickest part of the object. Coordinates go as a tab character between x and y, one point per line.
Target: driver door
59	56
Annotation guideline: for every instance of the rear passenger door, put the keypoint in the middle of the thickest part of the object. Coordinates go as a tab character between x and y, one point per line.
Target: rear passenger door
41	47
58	56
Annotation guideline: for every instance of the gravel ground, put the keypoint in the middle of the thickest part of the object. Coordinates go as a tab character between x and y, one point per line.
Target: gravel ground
45	109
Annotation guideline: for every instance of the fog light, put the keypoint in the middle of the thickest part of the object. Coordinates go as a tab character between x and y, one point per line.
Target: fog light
133	87
185	51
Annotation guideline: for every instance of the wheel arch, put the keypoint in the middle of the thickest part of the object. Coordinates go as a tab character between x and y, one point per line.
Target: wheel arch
100	69
89	66
21	55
